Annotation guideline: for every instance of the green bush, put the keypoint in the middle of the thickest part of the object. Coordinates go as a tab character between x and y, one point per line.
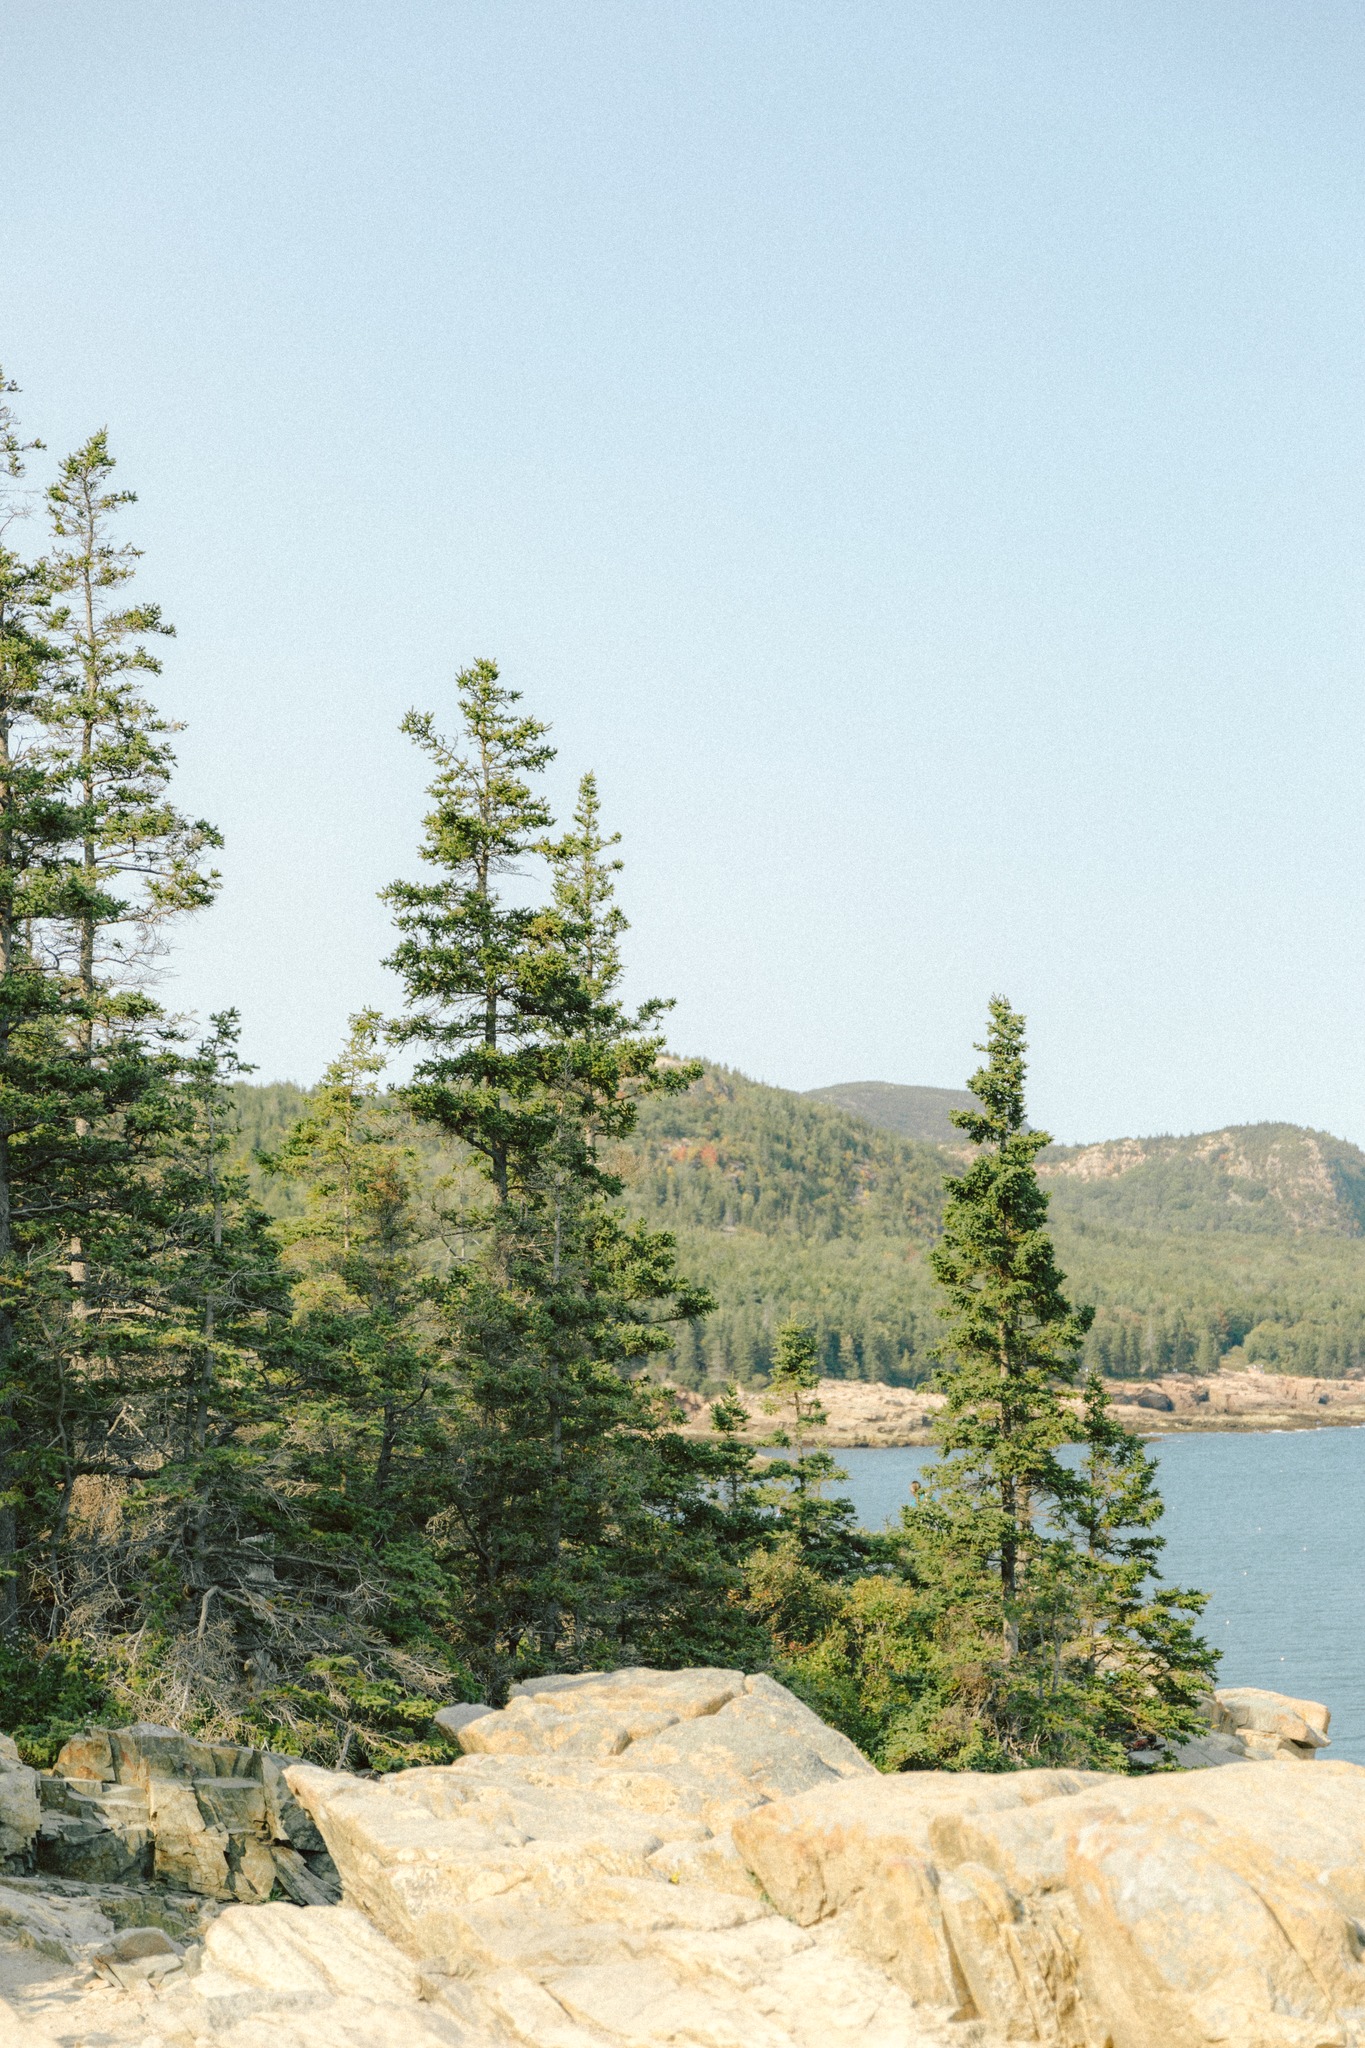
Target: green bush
48	1691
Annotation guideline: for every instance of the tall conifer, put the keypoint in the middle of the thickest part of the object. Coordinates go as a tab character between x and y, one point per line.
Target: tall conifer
578	1523
141	860
1045	1634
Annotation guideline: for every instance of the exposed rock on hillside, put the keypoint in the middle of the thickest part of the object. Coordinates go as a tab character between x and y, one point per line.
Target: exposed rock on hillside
692	1860
860	1412
1266	1177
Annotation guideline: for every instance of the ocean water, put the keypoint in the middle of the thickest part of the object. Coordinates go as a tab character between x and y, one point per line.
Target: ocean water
1270	1524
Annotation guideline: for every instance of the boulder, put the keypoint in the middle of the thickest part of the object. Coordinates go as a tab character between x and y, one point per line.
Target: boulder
1248	1723
123	1803
450	1720
726	1872
20	1807
1166	1913
861	1850
91	1852
189	1853
286	1820
87	1756
146	1752
597	1713
232	1803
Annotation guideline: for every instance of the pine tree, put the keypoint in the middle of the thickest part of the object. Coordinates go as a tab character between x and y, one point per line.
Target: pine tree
578	1522
1044	1636
360	1288
141	861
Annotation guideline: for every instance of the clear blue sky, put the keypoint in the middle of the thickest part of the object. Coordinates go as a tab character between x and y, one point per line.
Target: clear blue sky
913	453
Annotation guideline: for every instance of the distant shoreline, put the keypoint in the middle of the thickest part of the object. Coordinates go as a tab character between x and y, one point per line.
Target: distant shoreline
868	1416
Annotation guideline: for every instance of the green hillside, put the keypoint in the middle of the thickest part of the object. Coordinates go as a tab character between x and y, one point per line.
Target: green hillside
910	1112
788	1206
1273	1179
1245	1243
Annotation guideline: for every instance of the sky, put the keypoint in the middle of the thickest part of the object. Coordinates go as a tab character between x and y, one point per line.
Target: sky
912	453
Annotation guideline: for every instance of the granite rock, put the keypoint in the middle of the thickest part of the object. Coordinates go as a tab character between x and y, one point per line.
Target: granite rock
692	1860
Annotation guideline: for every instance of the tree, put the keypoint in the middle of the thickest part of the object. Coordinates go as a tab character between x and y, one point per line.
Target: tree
1014	1339
464	953
820	1532
1044	1647
578	1522
49	1095
360	1286
141	861
1136	1652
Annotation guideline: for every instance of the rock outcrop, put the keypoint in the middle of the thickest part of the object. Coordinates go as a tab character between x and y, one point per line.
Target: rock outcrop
1267	1727
133	1805
863	1413
693	1860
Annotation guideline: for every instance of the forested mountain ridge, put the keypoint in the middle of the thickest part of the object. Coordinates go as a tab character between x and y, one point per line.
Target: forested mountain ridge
735	1154
1275	1178
911	1112
1244	1244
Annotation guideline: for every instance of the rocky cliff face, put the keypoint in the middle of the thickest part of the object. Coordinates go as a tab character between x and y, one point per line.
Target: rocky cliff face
693	1860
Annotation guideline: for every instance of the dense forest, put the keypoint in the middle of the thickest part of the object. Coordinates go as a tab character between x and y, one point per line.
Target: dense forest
788	1206
319	1407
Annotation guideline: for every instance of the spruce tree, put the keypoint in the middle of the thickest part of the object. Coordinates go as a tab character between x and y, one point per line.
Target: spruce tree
821	1532
1014	1341
92	1101
1135	1655
141	861
359	1289
464	953
44	1087
579	1526
1043	1632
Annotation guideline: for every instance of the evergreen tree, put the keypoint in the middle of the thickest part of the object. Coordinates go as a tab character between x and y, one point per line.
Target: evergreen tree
189	1305
140	859
1136	1655
578	1524
45	1088
1014	1340
465	955
822	1533
89	1057
1043	1647
360	1288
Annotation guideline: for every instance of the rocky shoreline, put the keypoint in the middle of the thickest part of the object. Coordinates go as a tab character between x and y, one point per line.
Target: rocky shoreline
692	1859
864	1415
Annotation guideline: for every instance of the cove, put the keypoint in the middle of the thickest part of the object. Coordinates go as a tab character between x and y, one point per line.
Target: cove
1271	1524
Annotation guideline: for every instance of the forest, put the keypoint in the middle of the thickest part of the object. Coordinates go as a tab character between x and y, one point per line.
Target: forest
322	1407
788	1206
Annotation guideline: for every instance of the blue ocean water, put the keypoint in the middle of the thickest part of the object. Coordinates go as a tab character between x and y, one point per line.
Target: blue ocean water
1271	1524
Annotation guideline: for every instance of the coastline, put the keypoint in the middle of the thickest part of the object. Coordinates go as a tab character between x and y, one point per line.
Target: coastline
865	1415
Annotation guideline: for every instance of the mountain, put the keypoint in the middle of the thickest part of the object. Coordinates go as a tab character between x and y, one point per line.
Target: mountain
1275	1179
912	1112
1245	1244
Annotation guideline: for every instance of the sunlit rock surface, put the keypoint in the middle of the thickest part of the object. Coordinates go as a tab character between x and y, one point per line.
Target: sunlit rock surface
656	1858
